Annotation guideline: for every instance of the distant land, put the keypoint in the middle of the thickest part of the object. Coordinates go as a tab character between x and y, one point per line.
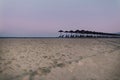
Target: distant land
118	33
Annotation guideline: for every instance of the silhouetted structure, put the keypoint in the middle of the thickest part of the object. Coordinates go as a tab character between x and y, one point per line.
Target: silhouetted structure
60	31
71	31
67	36
86	34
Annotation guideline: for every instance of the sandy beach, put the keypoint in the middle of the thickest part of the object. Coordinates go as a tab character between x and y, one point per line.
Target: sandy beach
60	59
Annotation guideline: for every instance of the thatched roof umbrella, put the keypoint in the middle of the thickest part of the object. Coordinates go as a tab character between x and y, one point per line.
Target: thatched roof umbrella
60	31
77	33
71	31
66	34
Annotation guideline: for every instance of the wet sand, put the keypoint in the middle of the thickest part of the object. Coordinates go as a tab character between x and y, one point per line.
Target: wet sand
59	59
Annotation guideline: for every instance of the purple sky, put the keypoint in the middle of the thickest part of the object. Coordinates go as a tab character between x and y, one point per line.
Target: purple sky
43	18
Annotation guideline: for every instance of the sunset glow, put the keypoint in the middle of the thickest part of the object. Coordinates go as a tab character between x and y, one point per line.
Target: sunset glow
43	18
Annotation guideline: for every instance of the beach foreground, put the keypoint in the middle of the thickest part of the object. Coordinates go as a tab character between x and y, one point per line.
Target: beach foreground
59	59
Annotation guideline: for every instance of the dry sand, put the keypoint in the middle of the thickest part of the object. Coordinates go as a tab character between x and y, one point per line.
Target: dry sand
59	59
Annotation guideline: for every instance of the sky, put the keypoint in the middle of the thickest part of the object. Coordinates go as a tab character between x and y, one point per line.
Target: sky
43	18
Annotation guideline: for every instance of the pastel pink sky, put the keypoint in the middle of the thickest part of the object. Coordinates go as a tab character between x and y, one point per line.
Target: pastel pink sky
43	18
